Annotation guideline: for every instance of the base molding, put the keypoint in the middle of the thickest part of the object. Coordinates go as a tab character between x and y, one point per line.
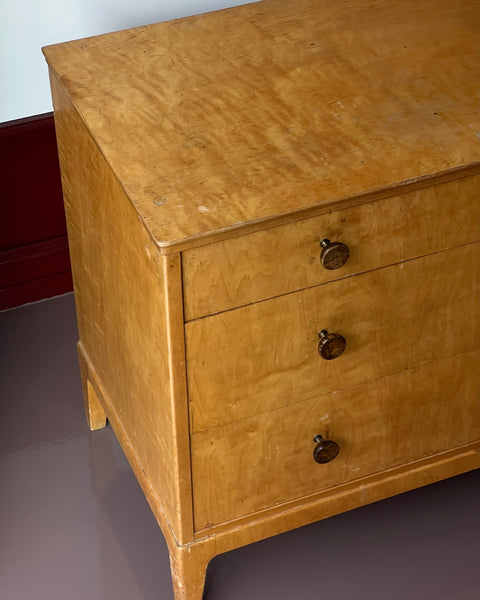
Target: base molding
34	271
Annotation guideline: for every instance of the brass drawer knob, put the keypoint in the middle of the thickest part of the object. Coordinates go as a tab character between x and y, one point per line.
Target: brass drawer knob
331	345
325	450
334	254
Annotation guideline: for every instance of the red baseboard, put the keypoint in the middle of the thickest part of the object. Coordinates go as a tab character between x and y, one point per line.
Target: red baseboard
34	259
34	272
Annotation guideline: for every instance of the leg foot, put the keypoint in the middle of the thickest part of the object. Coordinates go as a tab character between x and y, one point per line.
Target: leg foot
96	417
189	567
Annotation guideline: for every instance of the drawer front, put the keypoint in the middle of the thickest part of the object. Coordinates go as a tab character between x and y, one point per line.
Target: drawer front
260	357
283	259
268	459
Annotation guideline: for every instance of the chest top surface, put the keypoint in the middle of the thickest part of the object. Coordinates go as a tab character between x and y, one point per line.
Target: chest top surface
247	115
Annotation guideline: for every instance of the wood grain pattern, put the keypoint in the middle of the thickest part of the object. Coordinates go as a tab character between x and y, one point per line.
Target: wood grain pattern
123	293
378	425
344	497
189	562
241	139
246	269
108	406
310	103
250	360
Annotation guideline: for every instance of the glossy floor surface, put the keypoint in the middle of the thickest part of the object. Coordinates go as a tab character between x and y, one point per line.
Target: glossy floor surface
75	526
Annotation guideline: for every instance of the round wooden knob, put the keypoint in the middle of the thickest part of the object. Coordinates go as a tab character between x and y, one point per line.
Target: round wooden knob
331	345
325	450
334	254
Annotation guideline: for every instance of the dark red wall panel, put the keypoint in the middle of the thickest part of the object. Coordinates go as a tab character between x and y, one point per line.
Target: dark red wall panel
34	260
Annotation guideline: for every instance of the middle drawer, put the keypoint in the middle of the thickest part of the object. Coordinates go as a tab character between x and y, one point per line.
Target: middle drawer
263	356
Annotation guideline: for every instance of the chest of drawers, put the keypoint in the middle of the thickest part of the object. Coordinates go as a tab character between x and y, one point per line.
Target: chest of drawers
273	221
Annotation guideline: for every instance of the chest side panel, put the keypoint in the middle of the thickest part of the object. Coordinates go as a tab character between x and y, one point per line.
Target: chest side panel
126	325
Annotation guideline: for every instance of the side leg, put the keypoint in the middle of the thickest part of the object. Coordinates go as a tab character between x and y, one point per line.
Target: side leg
189	567
96	417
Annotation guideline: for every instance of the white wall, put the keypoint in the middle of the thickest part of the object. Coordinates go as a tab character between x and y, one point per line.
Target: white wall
27	25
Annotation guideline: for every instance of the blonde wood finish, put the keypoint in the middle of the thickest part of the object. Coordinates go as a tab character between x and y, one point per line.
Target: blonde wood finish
189	567
379	424
108	405
123	294
94	411
343	497
310	103
189	562
340	499
263	356
201	159
253	267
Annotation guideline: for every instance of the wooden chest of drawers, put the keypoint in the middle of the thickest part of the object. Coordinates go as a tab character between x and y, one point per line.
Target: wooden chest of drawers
273	218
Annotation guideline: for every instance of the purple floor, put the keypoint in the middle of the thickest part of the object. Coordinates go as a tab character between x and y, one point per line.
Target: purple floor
74	524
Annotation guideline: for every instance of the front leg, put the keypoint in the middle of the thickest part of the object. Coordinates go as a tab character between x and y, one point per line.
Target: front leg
189	567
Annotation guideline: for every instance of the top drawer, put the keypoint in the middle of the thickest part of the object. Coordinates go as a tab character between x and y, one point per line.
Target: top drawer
286	258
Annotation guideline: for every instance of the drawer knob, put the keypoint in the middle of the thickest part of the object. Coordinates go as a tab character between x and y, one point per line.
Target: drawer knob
325	450
331	345
334	254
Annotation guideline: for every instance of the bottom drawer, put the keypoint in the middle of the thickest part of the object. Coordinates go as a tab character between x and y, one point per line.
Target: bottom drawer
267	459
